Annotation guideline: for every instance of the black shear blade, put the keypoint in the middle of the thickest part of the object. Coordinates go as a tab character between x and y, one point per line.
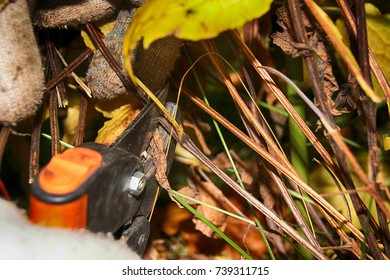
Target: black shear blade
136	137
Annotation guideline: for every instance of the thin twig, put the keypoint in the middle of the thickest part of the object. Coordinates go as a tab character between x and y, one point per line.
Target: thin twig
55	67
35	146
81	120
68	70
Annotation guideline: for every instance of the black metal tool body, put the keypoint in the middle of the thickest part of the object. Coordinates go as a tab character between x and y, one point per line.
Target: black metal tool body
121	189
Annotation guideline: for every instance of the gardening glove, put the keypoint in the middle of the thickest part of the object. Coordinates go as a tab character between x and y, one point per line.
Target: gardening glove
19	239
21	71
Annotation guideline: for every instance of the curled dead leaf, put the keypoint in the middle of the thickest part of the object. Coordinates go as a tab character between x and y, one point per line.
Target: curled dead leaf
208	193
316	46
160	162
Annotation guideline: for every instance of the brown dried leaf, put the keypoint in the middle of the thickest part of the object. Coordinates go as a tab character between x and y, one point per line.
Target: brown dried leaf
222	161
316	46
285	42
214	216
246	236
189	191
160	162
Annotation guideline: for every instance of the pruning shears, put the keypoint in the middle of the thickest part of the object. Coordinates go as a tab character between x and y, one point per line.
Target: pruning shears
109	189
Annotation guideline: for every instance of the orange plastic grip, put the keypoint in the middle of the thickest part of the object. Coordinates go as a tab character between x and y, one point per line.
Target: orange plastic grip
63	175
69	215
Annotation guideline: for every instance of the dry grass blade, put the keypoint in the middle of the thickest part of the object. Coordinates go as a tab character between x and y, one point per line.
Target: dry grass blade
280	156
335	134
286	104
189	145
306	130
265	155
350	243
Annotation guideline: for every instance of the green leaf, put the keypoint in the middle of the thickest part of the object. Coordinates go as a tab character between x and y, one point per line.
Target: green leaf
188	19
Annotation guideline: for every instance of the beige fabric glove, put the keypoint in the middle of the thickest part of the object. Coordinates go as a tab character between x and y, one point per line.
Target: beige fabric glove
19	239
21	71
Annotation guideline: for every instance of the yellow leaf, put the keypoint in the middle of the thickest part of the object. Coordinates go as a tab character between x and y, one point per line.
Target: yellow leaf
386	143
188	19
70	124
120	120
185	19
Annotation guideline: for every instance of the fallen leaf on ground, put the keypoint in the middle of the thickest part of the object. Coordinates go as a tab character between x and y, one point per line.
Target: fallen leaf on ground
214	216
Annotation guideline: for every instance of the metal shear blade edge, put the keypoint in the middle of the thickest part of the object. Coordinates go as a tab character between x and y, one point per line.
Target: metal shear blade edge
136	137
